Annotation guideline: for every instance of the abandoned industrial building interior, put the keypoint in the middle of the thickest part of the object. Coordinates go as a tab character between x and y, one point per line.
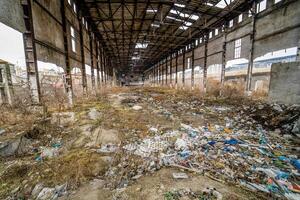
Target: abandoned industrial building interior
149	99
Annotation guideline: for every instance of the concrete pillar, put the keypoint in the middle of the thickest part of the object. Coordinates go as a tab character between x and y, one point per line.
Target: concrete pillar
298	51
166	70
159	73
223	62
92	63
30	54
176	70
2	86
183	67
171	79
101	66
68	78
251	55
192	65
6	87
205	63
83	72
98	66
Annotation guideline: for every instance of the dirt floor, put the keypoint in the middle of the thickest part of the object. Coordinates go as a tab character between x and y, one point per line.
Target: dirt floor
84	152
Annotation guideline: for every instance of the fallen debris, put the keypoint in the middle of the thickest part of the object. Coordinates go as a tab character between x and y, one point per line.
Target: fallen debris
180	175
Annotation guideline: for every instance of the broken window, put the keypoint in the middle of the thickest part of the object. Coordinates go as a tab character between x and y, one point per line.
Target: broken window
73	42
231	23
261	6
240	19
216	31
237	48
74	7
250	13
188	63
210	34
200	41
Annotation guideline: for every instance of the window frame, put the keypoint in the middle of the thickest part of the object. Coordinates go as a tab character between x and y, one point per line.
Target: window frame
237	48
73	39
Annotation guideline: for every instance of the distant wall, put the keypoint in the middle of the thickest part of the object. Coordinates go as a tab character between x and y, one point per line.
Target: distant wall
285	83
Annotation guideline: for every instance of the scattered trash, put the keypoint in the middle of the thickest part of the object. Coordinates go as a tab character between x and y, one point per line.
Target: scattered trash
47	152
136	107
153	130
94	114
180	175
2	131
47	193
107	148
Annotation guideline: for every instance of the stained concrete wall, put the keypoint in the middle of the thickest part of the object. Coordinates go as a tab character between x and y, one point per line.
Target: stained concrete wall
11	14
285	83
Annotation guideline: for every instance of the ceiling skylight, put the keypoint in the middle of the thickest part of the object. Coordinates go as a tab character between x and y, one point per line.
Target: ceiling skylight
179	5
141	45
221	4
151	11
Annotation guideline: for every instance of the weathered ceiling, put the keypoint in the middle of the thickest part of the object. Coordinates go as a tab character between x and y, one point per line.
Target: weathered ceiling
136	33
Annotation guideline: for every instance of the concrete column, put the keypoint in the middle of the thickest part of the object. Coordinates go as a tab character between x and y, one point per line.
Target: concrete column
98	66
298	51
83	72
156	74
104	68
159	73
2	87
205	63
30	54
92	63
101	66
251	55
171	79
166	70
68	78
183	68
6	87
223	61
192	65
176	70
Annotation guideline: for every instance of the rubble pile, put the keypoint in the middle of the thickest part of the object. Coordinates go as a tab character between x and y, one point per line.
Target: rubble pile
249	158
250	144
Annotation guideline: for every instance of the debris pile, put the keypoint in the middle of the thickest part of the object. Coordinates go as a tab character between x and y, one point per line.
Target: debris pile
249	158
